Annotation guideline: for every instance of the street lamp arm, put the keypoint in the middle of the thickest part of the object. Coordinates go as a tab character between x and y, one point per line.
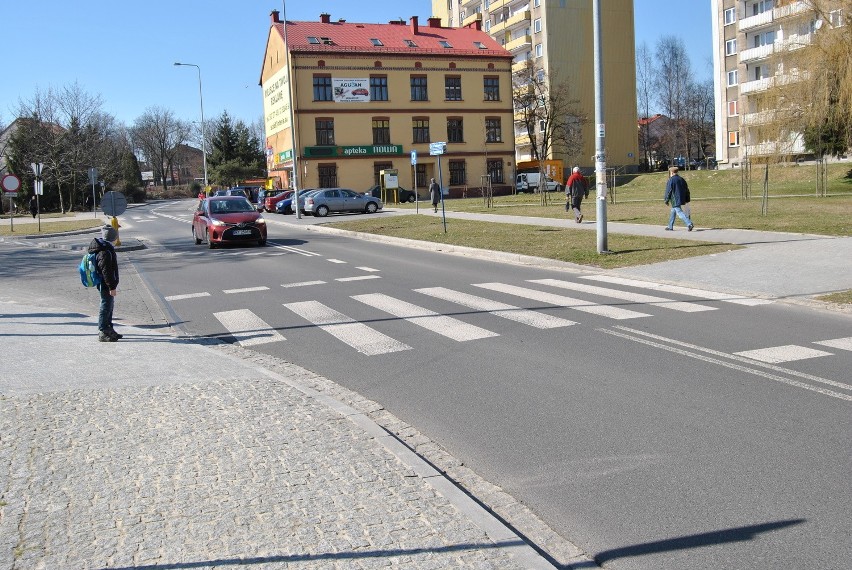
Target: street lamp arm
203	133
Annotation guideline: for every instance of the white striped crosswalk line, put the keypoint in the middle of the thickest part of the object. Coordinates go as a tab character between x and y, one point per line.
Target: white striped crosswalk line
429	320
532	318
359	336
779	354
839	343
625	295
247	328
562	301
700	293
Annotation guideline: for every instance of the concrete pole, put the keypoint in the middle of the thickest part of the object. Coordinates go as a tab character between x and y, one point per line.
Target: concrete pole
290	91
600	132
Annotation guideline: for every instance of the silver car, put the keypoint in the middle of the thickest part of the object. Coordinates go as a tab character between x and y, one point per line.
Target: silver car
322	202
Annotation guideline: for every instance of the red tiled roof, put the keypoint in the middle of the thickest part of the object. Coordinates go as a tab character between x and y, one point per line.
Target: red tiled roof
354	37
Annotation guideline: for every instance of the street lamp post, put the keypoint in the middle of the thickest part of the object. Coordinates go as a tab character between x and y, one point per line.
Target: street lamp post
203	134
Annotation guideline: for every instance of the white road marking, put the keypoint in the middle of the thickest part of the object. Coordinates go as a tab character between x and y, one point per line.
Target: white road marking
303	284
292	249
336	261
359	336
429	320
532	318
245	290
840	343
781	379
701	293
779	354
247	328
370	269
562	301
359	278
625	295
186	296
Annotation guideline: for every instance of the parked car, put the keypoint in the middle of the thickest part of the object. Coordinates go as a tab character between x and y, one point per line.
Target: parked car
269	201
323	202
227	219
530	182
405	195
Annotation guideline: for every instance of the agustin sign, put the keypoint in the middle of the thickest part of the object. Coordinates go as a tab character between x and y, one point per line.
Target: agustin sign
350	90
276	102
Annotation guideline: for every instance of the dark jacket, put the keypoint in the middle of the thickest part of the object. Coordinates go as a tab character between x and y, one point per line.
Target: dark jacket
677	192
576	186
107	262
435	193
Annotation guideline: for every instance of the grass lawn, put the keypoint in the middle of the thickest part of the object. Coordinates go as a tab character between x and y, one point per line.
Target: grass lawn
28	227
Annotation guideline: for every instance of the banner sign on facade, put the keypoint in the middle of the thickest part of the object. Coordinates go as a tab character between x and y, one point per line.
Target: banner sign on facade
350	90
276	102
365	150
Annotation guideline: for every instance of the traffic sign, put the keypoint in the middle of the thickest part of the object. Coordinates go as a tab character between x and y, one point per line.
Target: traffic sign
10	183
413	157
437	148
113	203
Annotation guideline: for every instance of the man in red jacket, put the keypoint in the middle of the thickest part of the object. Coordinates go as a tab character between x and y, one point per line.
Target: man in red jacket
576	188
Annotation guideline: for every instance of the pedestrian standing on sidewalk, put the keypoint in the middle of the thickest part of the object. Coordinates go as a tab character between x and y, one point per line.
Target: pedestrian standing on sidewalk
435	194
576	188
34	205
107	264
677	193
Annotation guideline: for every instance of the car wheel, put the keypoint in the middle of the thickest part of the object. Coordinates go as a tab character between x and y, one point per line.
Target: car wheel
371	208
411	199
322	211
261	242
210	244
195	237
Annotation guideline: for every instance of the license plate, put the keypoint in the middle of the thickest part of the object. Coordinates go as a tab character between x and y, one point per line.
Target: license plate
242	232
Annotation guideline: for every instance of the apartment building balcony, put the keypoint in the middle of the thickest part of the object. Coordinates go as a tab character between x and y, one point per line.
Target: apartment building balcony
754	54
522	140
757	85
519	66
512	21
753	22
796	146
472	18
764	117
463	4
790	10
518	43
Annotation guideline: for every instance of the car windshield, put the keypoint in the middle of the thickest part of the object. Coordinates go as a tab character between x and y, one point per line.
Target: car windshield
230	206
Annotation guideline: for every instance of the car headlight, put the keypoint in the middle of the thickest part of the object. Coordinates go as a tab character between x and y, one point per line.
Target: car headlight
260	221
217	222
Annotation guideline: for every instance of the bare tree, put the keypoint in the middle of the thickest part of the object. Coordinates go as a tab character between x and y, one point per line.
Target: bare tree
644	96
158	134
672	80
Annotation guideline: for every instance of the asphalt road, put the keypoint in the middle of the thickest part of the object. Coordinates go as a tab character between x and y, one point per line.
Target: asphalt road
630	425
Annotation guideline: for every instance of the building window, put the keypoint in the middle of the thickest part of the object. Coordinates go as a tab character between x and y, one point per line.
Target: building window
379	88
376	42
495	170
322	88
537	25
730	47
487	25
452	88
325	131
732	78
455	130
327	175
381	131
537	3
457	173
445	44
538	50
420	128
492	88
733	109
733	138
410	43
419	91
730	16
761	6
492	130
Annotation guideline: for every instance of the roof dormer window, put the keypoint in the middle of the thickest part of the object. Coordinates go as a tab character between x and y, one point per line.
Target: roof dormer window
410	43
327	41
445	43
313	40
480	45
376	42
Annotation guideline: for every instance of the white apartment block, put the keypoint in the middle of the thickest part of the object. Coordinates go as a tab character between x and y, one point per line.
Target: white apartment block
559	35
748	35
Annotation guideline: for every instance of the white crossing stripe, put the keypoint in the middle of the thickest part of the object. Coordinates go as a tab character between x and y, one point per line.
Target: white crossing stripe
562	301
245	290
292	249
532	318
359	278
336	261
186	296
359	336
778	354
840	343
247	328
368	269
303	284
429	320
701	293
625	295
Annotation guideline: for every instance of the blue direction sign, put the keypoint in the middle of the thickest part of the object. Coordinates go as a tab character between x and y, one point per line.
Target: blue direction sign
437	148
413	157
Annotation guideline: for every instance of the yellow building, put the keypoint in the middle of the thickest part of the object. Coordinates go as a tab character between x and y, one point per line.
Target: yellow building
366	96
559	37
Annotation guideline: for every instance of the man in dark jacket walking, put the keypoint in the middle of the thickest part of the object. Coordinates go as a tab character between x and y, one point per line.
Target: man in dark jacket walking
576	188
677	192
107	263
435	194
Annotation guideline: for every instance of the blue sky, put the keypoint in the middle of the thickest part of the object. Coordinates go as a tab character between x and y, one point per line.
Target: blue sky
125	51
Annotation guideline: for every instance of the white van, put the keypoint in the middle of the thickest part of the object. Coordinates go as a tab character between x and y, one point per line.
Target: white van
529	182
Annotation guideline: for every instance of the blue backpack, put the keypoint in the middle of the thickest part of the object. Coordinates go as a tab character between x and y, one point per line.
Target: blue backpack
88	267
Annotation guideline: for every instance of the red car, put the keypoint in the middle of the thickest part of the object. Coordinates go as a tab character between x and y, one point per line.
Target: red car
360	92
227	219
269	203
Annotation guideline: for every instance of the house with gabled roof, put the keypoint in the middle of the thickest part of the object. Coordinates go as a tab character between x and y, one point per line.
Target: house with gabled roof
344	102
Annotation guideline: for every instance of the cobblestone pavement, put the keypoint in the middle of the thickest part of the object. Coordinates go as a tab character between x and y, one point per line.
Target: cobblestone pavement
168	452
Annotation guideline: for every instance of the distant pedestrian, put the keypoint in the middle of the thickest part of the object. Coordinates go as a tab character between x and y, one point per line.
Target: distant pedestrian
34	205
576	188
88	201
677	193
107	263
435	194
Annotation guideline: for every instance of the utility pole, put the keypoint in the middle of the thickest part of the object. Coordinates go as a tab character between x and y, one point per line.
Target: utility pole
600	132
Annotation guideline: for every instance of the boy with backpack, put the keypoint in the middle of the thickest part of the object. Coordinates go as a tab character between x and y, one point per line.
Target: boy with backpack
107	269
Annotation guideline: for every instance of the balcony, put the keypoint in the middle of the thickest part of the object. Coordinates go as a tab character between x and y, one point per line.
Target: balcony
522	140
790	10
753	22
753	54
472	18
796	146
518	43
